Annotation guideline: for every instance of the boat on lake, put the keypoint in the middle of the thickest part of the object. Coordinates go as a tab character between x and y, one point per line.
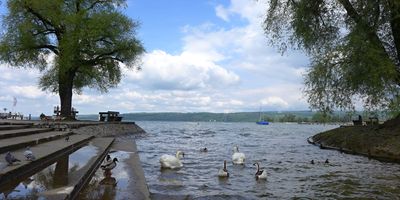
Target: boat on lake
260	120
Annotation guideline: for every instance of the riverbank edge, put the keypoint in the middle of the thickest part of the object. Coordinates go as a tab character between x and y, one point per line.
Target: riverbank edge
123	133
379	142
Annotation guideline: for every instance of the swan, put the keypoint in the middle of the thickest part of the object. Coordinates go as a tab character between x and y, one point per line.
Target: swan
237	157
109	166
172	162
223	172
260	174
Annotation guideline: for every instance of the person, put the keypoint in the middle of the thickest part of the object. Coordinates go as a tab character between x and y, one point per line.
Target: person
359	118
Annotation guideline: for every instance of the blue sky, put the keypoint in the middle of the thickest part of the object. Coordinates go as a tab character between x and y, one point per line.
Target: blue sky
201	56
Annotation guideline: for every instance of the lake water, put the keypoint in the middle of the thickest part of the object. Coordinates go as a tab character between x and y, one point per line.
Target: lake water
281	149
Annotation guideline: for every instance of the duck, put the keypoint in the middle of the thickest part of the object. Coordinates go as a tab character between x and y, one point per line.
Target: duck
260	174
204	149
172	162
223	172
312	162
29	154
109	166
107	160
237	157
326	161
10	159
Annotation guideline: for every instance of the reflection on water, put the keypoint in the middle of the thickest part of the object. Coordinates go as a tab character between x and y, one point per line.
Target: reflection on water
51	177
109	186
281	149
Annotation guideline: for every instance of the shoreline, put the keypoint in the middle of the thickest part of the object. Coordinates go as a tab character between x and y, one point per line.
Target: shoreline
379	142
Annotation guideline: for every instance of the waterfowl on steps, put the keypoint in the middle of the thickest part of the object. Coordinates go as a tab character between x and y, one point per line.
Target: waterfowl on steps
172	162
223	172
109	166
107	160
29	154
10	159
237	157
260	174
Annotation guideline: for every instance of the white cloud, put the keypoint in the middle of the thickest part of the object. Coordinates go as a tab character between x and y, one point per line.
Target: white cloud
222	13
275	101
186	71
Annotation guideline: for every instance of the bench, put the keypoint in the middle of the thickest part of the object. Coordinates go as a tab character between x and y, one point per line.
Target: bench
373	121
109	116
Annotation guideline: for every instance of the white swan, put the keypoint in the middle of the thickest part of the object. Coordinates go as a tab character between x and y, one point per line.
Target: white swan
223	172
172	162
260	174
237	157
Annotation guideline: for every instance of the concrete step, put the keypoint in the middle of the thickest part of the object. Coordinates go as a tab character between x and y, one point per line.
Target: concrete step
13	143
78	179
13	127
45	153
14	122
22	132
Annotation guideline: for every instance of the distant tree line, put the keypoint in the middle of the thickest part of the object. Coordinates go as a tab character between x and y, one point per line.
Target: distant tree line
292	116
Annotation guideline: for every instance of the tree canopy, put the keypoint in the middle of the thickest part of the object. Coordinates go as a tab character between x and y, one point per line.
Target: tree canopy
86	40
354	46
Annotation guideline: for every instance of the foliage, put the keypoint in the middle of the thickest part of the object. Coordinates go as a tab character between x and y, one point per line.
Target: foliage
354	48
87	39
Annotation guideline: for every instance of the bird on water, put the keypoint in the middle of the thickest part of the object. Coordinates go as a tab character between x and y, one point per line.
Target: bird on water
260	174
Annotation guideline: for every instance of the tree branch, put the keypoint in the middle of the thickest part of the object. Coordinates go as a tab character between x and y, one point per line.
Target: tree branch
50	47
94	4
45	21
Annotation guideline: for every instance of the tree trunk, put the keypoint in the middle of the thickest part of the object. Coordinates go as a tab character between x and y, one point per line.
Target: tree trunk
65	91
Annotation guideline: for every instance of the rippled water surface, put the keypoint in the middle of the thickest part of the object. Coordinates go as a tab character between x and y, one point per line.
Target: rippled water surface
281	149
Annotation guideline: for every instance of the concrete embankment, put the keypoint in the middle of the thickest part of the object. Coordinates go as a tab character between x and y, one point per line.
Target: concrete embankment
381	142
138	189
54	142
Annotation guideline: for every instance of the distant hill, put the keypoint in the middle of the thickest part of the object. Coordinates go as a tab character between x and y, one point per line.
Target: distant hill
293	116
272	116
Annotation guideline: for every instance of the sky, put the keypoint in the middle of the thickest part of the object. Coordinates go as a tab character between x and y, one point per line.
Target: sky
201	56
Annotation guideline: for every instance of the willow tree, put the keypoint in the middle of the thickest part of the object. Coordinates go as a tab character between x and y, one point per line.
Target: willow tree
354	46
74	43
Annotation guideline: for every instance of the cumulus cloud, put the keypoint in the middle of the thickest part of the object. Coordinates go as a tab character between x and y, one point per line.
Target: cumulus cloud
186	71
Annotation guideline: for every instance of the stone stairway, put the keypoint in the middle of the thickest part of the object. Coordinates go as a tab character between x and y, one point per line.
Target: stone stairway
49	147
22	132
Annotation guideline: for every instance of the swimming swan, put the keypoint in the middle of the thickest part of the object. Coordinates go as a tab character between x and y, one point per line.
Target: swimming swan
237	157
223	172
172	162
260	174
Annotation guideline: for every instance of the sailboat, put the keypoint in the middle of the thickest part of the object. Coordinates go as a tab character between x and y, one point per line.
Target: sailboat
261	121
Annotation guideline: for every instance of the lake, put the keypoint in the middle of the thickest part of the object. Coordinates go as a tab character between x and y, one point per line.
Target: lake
281	149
